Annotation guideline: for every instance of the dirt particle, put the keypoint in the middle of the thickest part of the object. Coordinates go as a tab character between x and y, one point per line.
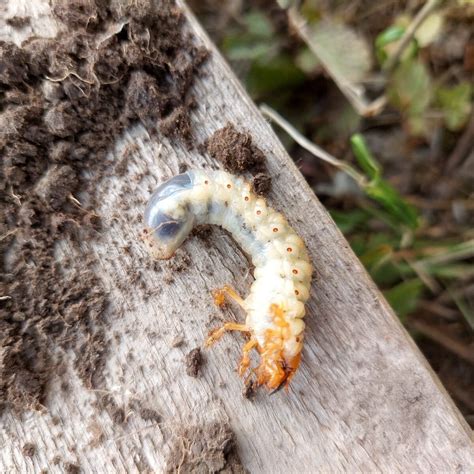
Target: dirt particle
28	450
194	361
235	150
148	414
55	420
177	341
180	262
97	433
261	184
207	448
202	232
56	185
116	412
71	468
118	416
18	21
250	389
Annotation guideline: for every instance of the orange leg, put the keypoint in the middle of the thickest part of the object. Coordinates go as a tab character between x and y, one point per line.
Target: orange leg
218	333
227	291
245	362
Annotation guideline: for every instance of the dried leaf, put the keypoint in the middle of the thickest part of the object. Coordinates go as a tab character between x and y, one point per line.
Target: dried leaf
430	29
344	53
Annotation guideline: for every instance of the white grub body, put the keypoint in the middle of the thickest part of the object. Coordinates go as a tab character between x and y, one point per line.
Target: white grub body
282	267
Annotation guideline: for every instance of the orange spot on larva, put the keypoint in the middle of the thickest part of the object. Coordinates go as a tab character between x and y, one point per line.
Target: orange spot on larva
289	249
229	186
297	292
275	229
246	198
259	212
295	271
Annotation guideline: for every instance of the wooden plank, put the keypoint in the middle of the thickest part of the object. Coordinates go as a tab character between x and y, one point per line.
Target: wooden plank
365	399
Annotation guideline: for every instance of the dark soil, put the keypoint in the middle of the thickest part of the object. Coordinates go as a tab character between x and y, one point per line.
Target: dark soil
28	450
54	137
194	361
71	468
237	153
204	449
107	403
148	414
18	21
250	390
262	184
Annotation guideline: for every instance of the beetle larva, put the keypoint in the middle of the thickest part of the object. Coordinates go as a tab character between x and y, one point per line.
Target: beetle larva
275	306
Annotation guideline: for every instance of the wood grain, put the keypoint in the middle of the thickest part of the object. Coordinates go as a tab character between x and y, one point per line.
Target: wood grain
365	398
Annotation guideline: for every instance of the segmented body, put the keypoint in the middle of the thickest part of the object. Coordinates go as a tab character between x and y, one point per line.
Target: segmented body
275	305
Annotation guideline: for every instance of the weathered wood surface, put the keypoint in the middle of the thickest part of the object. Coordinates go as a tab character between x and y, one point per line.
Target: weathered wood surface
365	399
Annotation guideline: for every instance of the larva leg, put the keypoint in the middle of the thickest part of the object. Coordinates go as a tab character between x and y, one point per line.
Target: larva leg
293	367
245	362
218	333
221	293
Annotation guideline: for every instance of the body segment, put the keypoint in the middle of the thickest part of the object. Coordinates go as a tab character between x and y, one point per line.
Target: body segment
275	304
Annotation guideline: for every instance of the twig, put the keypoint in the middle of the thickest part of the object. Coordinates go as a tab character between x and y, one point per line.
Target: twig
428	7
439	310
10	232
424	276
462	251
312	147
68	73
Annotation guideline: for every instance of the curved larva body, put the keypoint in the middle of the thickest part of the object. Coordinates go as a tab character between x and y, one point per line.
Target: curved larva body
275	305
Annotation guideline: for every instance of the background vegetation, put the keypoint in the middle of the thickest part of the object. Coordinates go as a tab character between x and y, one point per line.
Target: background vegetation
386	87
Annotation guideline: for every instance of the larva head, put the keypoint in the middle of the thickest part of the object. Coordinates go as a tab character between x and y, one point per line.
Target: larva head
167	219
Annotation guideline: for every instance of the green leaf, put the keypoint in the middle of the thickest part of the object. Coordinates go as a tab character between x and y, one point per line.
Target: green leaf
378	189
258	25
464	307
391	35
365	159
387	41
410	90
278	73
376	256
307	61
460	271
404	297
456	104
241	48
348	221
311	10
255	42
389	197
387	274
